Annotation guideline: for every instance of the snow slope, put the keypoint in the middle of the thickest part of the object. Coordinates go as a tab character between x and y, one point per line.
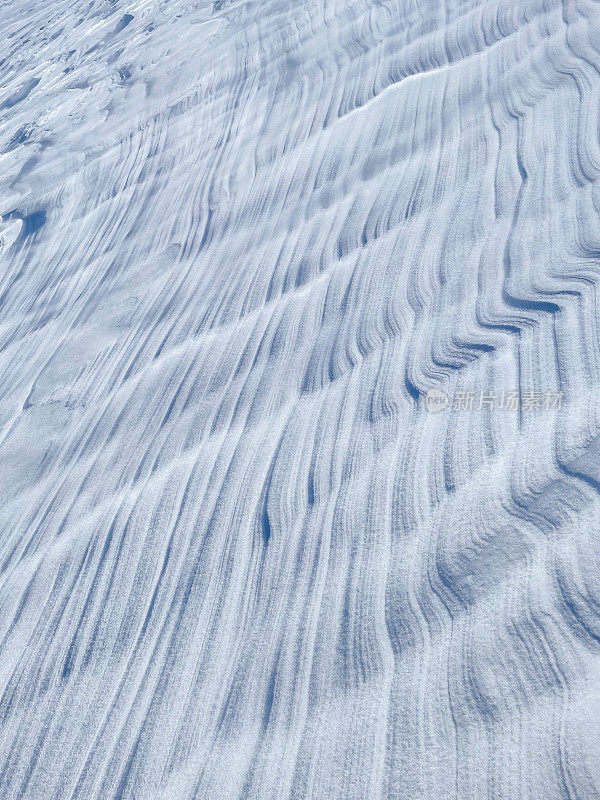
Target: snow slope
240	241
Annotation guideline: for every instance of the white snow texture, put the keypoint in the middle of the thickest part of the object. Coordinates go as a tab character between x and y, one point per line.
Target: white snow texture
240	557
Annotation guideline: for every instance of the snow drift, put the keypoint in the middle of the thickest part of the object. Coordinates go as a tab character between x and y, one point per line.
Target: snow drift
240	243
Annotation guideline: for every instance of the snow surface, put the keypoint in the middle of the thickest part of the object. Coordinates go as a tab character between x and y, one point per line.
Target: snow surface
239	242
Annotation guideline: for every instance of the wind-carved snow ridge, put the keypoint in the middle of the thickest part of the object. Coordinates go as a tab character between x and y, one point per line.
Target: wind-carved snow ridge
244	248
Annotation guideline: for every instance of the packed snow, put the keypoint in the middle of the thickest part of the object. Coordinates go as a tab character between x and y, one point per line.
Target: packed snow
299	400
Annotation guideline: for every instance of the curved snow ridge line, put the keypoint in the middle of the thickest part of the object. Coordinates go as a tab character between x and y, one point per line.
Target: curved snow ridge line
240	558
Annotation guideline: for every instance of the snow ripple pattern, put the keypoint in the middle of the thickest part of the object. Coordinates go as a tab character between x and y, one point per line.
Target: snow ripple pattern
239	243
